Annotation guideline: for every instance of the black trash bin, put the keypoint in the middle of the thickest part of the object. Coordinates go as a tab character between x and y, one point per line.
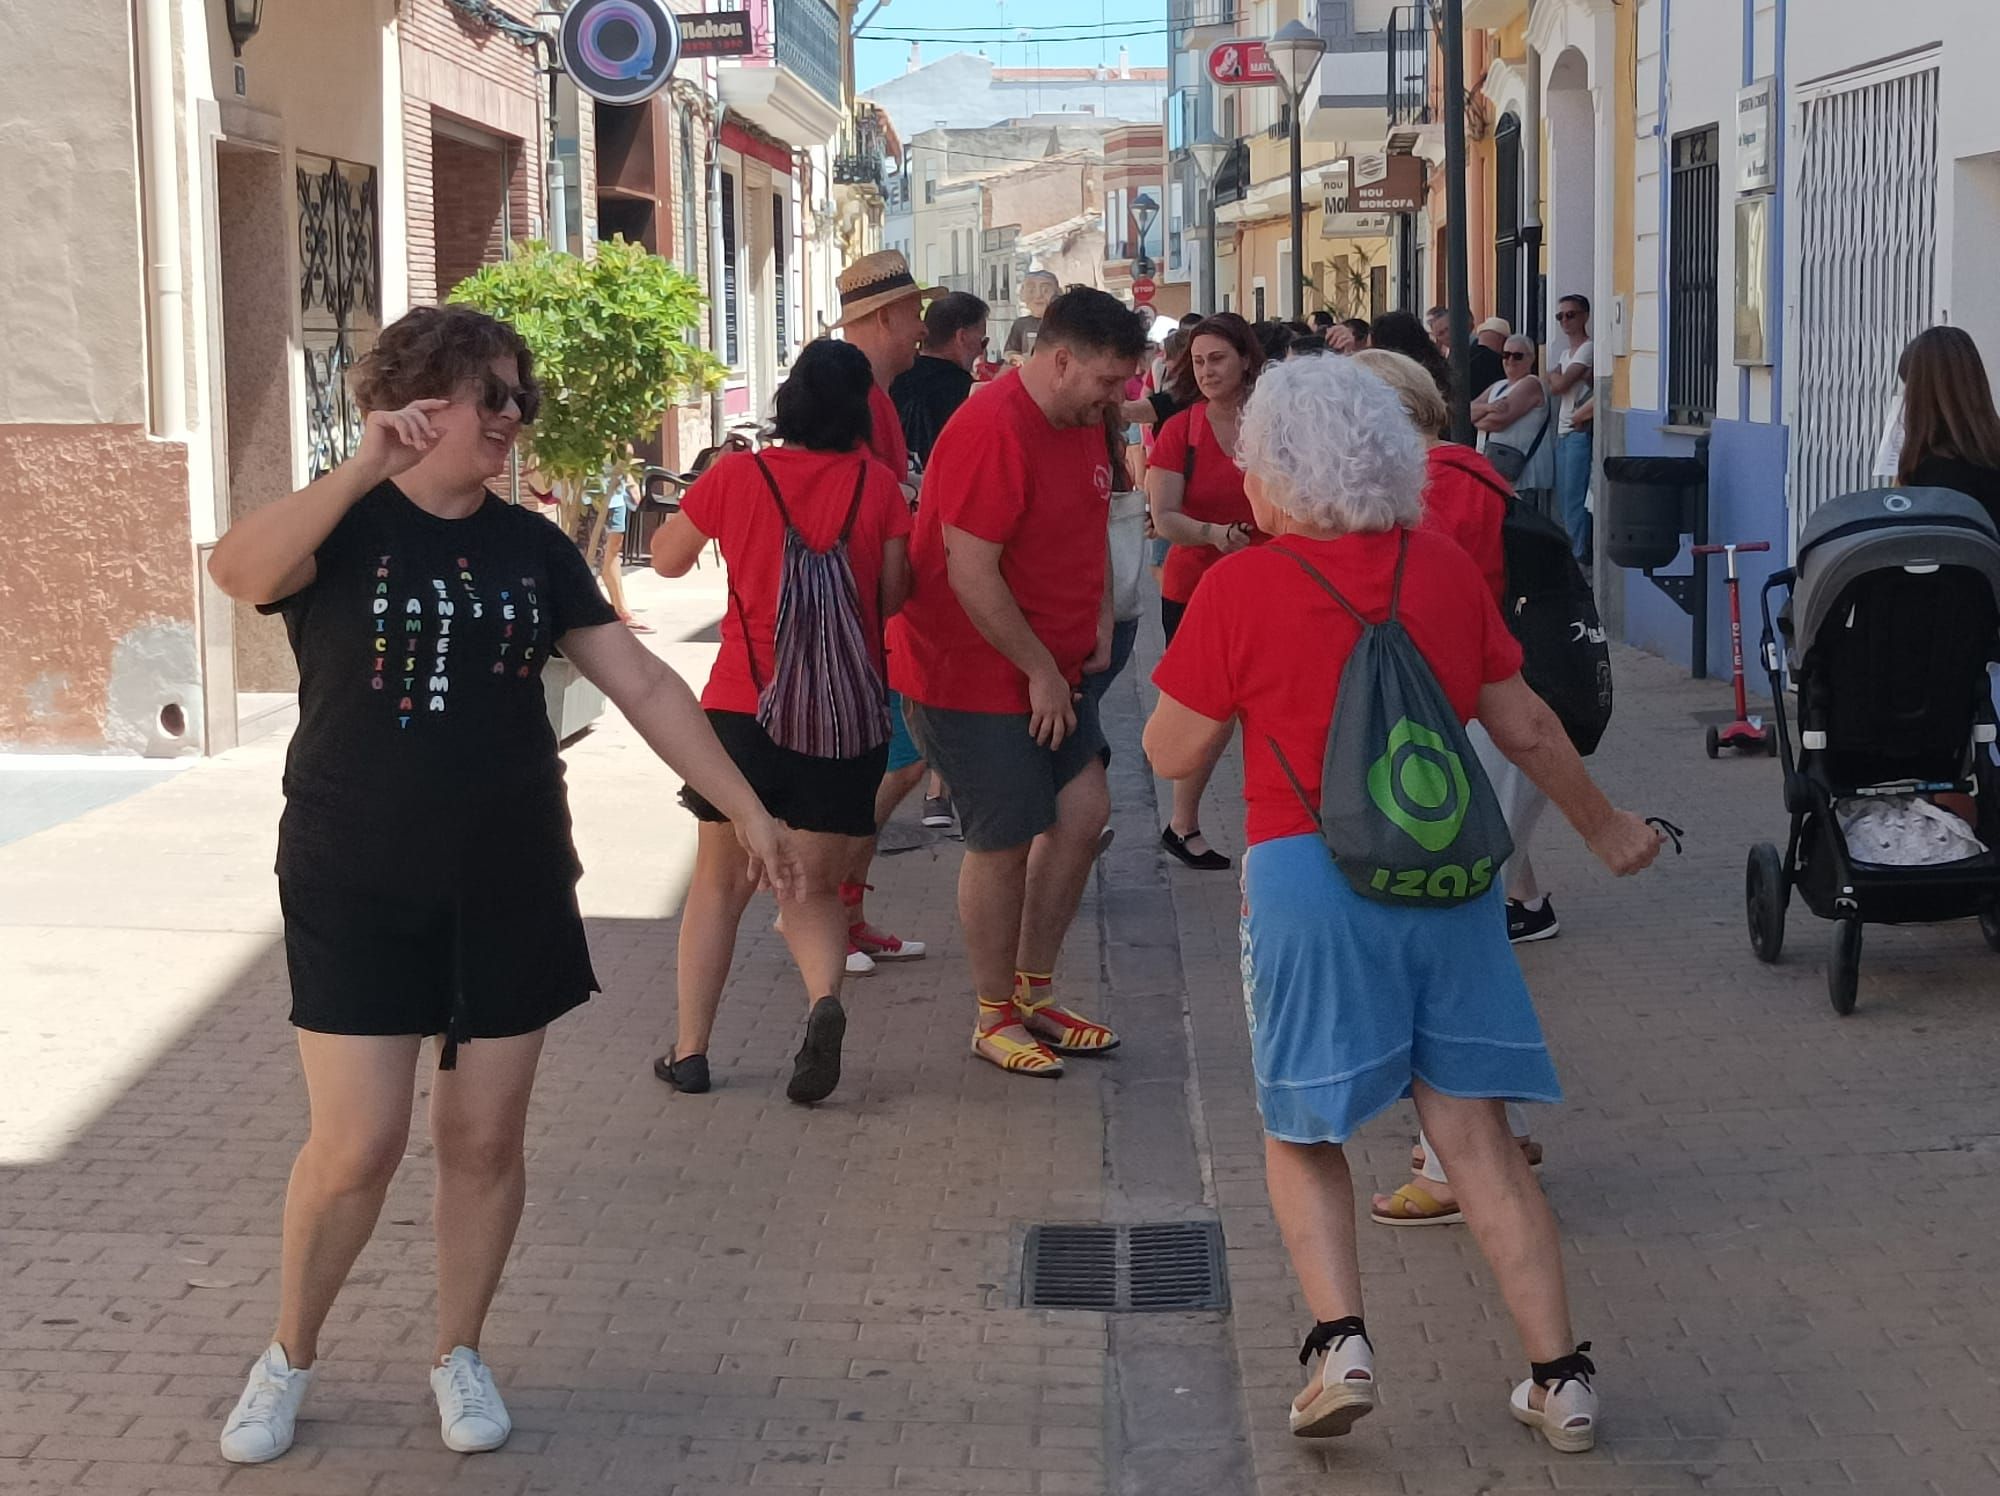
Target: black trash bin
1648	505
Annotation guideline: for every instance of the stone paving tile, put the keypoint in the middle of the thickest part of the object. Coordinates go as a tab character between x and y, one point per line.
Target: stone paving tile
1776	1221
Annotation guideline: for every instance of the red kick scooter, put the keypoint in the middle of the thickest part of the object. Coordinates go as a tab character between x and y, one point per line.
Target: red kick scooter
1742	735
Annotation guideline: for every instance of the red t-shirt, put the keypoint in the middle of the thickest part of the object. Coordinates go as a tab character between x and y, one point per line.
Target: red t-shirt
885	437
1214	496
1465	499
1002	473
1263	642
733	505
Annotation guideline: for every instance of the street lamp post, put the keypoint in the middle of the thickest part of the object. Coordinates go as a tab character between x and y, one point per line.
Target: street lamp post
1208	156
1295	53
1145	212
1458	277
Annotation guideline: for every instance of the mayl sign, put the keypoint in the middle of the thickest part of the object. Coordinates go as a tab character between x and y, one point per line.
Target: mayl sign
1242	63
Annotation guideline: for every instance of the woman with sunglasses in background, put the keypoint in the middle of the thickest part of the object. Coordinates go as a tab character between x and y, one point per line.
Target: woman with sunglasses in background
425	865
1515	422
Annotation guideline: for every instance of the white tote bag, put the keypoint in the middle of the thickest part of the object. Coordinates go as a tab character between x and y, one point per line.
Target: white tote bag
1128	552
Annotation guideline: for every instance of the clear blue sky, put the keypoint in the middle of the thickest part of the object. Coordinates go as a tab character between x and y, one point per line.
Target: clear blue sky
1062	33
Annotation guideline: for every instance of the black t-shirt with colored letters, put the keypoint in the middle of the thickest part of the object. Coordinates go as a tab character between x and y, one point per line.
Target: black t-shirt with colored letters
424	757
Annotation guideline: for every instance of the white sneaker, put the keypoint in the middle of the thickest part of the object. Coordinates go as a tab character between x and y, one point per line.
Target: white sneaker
859	962
470	1414
262	1424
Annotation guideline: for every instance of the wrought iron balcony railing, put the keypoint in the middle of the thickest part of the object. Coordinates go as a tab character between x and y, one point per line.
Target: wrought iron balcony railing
1410	64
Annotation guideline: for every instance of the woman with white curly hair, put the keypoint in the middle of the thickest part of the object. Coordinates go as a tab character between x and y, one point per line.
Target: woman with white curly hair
1355	1004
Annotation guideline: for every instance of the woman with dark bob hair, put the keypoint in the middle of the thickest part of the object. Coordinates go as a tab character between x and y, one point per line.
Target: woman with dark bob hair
814	499
425	864
1401	332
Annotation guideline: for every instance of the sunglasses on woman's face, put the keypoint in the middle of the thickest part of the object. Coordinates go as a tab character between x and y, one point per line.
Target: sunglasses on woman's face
1513	358
495	392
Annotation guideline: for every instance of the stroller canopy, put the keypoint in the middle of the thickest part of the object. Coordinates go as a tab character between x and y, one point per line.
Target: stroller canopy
1883	528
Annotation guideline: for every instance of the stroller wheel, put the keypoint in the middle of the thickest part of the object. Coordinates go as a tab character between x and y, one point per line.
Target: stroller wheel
1989	926
1843	972
1765	895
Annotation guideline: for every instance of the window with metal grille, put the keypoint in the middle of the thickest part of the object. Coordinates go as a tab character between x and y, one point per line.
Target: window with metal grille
1507	221
1693	237
731	319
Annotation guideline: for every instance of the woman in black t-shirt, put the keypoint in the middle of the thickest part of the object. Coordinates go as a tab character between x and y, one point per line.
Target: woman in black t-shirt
425	866
1951	432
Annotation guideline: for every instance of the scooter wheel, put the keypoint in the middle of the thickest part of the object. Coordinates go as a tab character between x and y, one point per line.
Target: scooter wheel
1989	926
1713	742
1770	743
1765	895
1843	972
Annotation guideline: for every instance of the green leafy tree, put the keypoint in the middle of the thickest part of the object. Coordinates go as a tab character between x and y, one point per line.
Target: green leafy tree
612	353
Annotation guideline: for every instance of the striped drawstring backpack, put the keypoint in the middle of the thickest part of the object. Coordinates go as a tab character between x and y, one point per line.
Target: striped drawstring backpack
825	697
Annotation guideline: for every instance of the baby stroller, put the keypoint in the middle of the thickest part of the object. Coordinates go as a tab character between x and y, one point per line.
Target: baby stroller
1894	612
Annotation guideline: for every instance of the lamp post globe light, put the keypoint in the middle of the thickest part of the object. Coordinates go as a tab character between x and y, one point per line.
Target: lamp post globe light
1295	53
1145	213
1207	156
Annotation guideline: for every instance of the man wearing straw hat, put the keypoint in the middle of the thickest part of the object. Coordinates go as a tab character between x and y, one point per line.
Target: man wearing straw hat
881	313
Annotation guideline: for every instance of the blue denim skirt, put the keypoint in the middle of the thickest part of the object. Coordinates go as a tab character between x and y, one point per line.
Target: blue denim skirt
1350	1000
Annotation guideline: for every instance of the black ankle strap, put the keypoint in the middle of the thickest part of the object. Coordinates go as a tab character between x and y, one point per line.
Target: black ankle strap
1575	1367
1332	1332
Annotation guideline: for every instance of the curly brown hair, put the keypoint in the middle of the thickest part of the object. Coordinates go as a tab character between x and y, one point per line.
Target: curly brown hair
428	352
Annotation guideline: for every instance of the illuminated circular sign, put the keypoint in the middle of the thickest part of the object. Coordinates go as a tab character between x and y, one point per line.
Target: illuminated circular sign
620	51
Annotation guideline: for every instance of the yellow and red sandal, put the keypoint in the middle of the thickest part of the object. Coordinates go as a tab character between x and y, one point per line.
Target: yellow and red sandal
1063	1030
992	1045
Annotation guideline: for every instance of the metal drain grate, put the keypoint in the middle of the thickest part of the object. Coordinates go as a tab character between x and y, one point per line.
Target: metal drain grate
1161	1268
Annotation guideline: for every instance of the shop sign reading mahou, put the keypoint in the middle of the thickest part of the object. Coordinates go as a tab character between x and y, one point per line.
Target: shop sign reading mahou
718	33
620	51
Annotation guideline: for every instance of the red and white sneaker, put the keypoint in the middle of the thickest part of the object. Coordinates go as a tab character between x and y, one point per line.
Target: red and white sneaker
880	945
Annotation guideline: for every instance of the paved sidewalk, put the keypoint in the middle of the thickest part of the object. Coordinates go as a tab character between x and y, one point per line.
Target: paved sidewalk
1780	1225
710	1293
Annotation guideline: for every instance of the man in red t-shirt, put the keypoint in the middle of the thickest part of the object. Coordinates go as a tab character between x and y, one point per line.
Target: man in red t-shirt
882	314
1010	606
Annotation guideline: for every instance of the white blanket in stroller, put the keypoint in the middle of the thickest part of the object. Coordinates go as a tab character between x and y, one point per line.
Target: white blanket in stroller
1904	831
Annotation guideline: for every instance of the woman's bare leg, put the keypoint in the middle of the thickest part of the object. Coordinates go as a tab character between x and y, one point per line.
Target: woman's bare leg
717	896
479	1119
360	1088
1508	1215
1187	796
1312	1195
815	924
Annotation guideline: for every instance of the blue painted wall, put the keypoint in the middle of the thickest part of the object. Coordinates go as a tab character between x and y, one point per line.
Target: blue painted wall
1746	499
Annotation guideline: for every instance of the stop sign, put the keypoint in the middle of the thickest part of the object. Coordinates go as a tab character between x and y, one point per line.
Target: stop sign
1142	291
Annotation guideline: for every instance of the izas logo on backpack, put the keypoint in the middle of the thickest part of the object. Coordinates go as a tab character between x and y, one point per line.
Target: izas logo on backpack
1404	806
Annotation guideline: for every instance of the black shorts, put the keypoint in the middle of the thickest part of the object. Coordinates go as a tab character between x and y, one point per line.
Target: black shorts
1003	783
834	796
499	962
1171	614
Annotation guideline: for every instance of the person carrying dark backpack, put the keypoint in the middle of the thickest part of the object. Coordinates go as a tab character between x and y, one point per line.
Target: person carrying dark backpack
1352	649
814	536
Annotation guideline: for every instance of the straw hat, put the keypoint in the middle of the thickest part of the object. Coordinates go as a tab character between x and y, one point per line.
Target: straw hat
1497	324
875	281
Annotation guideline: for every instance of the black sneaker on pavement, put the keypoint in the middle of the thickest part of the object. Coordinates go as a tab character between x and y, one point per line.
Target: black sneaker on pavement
937	812
816	1070
1525	924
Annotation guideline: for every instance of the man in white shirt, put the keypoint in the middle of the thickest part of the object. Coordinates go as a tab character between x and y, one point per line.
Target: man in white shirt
1571	382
